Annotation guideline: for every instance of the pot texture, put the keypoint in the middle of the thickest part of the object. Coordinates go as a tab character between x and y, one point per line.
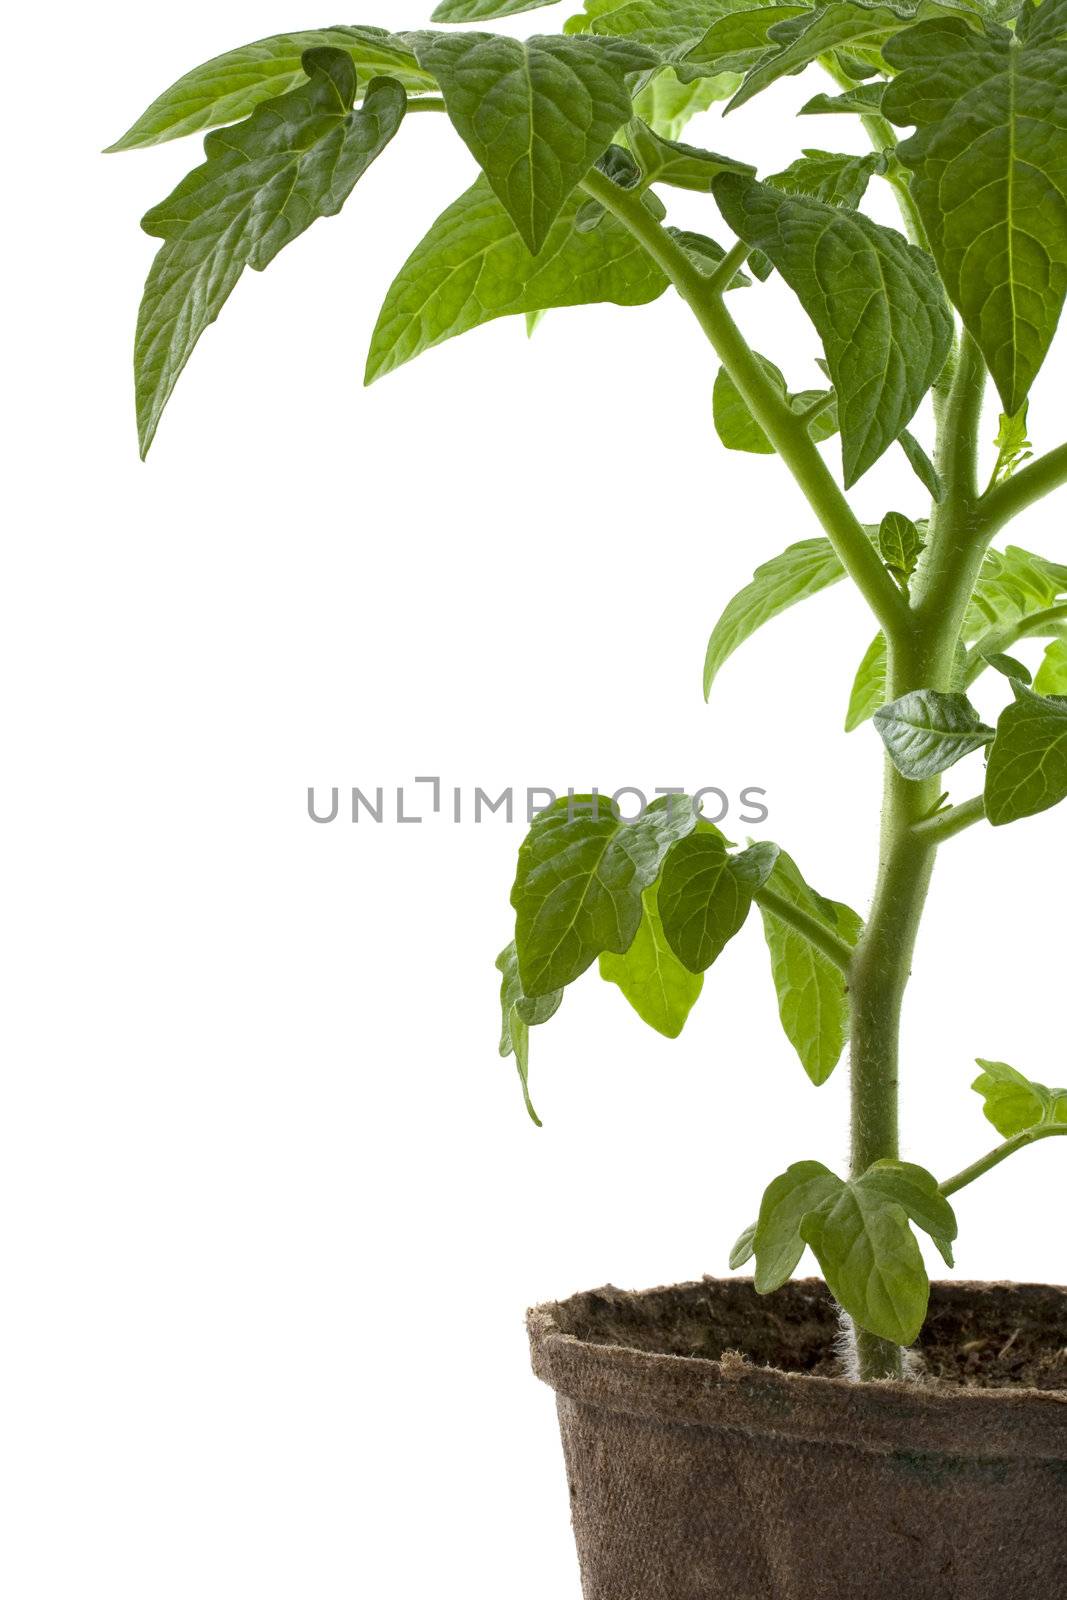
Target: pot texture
709	1459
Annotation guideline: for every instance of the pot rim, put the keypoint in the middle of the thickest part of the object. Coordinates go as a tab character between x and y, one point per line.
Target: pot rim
888	1416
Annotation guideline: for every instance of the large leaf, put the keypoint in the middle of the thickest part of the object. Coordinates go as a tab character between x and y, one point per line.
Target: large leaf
801	570
869	687
1027	770
264	182
230	86
850	24
812	993
1013	1103
661	990
874	299
518	1014
535	114
705	894
1052	673
870	1259
485	10
989	166
473	266
926	732
581	875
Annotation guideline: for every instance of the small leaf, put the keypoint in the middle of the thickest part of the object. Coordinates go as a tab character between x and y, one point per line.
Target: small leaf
865	100
926	732
535	114
484	10
840	180
874	299
871	1260
1010	667
1052	674
581	875
921	464
230	86
989	175
264	182
812	993
472	267
654	981
850	23
917	1192
1012	585
869	687
705	894
670	26
800	571
738	429
518	1015
737	41
901	544
1014	1103
1027	770
777	1243
667	104
1012	444
743	1250
682	166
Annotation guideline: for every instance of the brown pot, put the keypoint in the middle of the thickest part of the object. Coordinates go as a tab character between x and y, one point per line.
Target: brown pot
697	1473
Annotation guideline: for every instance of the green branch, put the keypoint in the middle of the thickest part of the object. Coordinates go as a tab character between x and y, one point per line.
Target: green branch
786	431
946	824
998	640
833	947
1030	484
1018	1142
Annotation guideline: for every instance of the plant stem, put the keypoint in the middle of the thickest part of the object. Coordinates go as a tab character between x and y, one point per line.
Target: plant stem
786	431
946	824
1019	1141
1026	486
817	933
1000	639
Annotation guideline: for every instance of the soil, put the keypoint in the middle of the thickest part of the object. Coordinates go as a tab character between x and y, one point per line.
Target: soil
1015	1339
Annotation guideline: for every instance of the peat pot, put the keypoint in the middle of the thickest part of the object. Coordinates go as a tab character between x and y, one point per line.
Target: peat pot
714	1453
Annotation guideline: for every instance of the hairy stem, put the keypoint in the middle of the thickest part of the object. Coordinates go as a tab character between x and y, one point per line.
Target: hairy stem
1024	488
1019	1141
817	933
946	824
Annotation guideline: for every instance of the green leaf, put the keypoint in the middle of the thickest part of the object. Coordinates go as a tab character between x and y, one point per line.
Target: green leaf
900	544
581	875
812	993
917	1192
1010	667
926	732
921	464
1012	444
683	166
485	10
264	182
865	100
535	114
518	1015
705	894
472	266
660	989
667	104
869	687
801	570
844	23
671	26
738	429
989	176
874	299
839	180
870	1259
1014	1103
739	39
230	86
743	1249
1012	585
777	1243
1052	673
1027	770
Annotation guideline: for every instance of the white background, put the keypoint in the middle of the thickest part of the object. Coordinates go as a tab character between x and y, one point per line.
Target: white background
272	1211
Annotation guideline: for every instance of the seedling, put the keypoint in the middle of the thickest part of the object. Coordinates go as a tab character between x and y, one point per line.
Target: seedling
577	136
